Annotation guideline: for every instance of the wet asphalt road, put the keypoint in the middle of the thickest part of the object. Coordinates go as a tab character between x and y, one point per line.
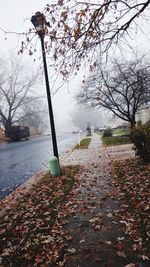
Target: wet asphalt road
20	160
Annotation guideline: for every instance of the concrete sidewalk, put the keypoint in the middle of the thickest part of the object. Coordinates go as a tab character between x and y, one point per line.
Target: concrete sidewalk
86	156
96	151
92	235
94	230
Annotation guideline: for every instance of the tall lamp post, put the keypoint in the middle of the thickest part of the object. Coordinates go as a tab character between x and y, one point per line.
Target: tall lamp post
40	25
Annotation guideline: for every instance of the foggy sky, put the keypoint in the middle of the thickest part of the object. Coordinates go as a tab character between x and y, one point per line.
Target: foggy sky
15	17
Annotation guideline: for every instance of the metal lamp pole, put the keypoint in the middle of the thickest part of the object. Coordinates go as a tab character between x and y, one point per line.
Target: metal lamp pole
40	23
55	150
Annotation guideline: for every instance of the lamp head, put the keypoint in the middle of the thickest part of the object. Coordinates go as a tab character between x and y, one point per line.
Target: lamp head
39	22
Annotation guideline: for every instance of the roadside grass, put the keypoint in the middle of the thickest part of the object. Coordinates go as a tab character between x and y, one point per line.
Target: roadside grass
121	131
132	183
120	138
83	144
99	133
28	230
115	140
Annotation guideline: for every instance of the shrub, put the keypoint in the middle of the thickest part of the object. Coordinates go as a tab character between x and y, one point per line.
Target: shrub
140	136
107	132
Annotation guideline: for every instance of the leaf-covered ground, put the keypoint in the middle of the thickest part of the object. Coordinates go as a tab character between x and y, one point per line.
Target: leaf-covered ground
104	232
30	234
132	188
84	218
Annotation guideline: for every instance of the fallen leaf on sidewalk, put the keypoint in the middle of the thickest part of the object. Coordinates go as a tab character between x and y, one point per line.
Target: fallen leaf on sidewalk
109	215
143	257
121	238
97	227
71	250
121	254
108	242
82	241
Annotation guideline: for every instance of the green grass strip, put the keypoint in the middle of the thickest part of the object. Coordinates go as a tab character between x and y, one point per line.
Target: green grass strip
121	131
83	144
115	140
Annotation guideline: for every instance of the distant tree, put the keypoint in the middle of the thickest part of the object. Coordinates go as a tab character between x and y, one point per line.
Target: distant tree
35	115
123	89
78	29
81	116
16	86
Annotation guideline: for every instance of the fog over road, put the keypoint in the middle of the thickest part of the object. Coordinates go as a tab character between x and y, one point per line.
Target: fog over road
20	160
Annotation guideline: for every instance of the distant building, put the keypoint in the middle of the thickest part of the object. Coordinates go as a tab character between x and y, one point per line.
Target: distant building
115	121
2	135
143	115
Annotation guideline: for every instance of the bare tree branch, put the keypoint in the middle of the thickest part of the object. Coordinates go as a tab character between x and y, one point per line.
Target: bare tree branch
16	93
123	89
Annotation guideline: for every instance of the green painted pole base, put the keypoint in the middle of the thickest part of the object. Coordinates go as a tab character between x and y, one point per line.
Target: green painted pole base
53	165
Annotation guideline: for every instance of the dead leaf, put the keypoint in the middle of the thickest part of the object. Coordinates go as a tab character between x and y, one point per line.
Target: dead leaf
121	254
144	257
81	241
108	242
71	250
109	215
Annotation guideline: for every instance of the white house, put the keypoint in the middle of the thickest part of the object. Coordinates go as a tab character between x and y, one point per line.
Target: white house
143	115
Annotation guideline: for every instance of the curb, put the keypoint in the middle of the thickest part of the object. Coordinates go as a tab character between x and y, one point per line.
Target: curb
9	201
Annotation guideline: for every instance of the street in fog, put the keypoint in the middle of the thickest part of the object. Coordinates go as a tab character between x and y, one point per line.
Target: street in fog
20	160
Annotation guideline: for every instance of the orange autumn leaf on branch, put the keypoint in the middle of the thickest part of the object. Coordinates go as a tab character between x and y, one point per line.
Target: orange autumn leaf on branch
84	28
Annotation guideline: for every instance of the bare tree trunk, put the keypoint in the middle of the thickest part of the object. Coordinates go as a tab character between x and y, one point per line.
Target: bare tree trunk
133	124
8	128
